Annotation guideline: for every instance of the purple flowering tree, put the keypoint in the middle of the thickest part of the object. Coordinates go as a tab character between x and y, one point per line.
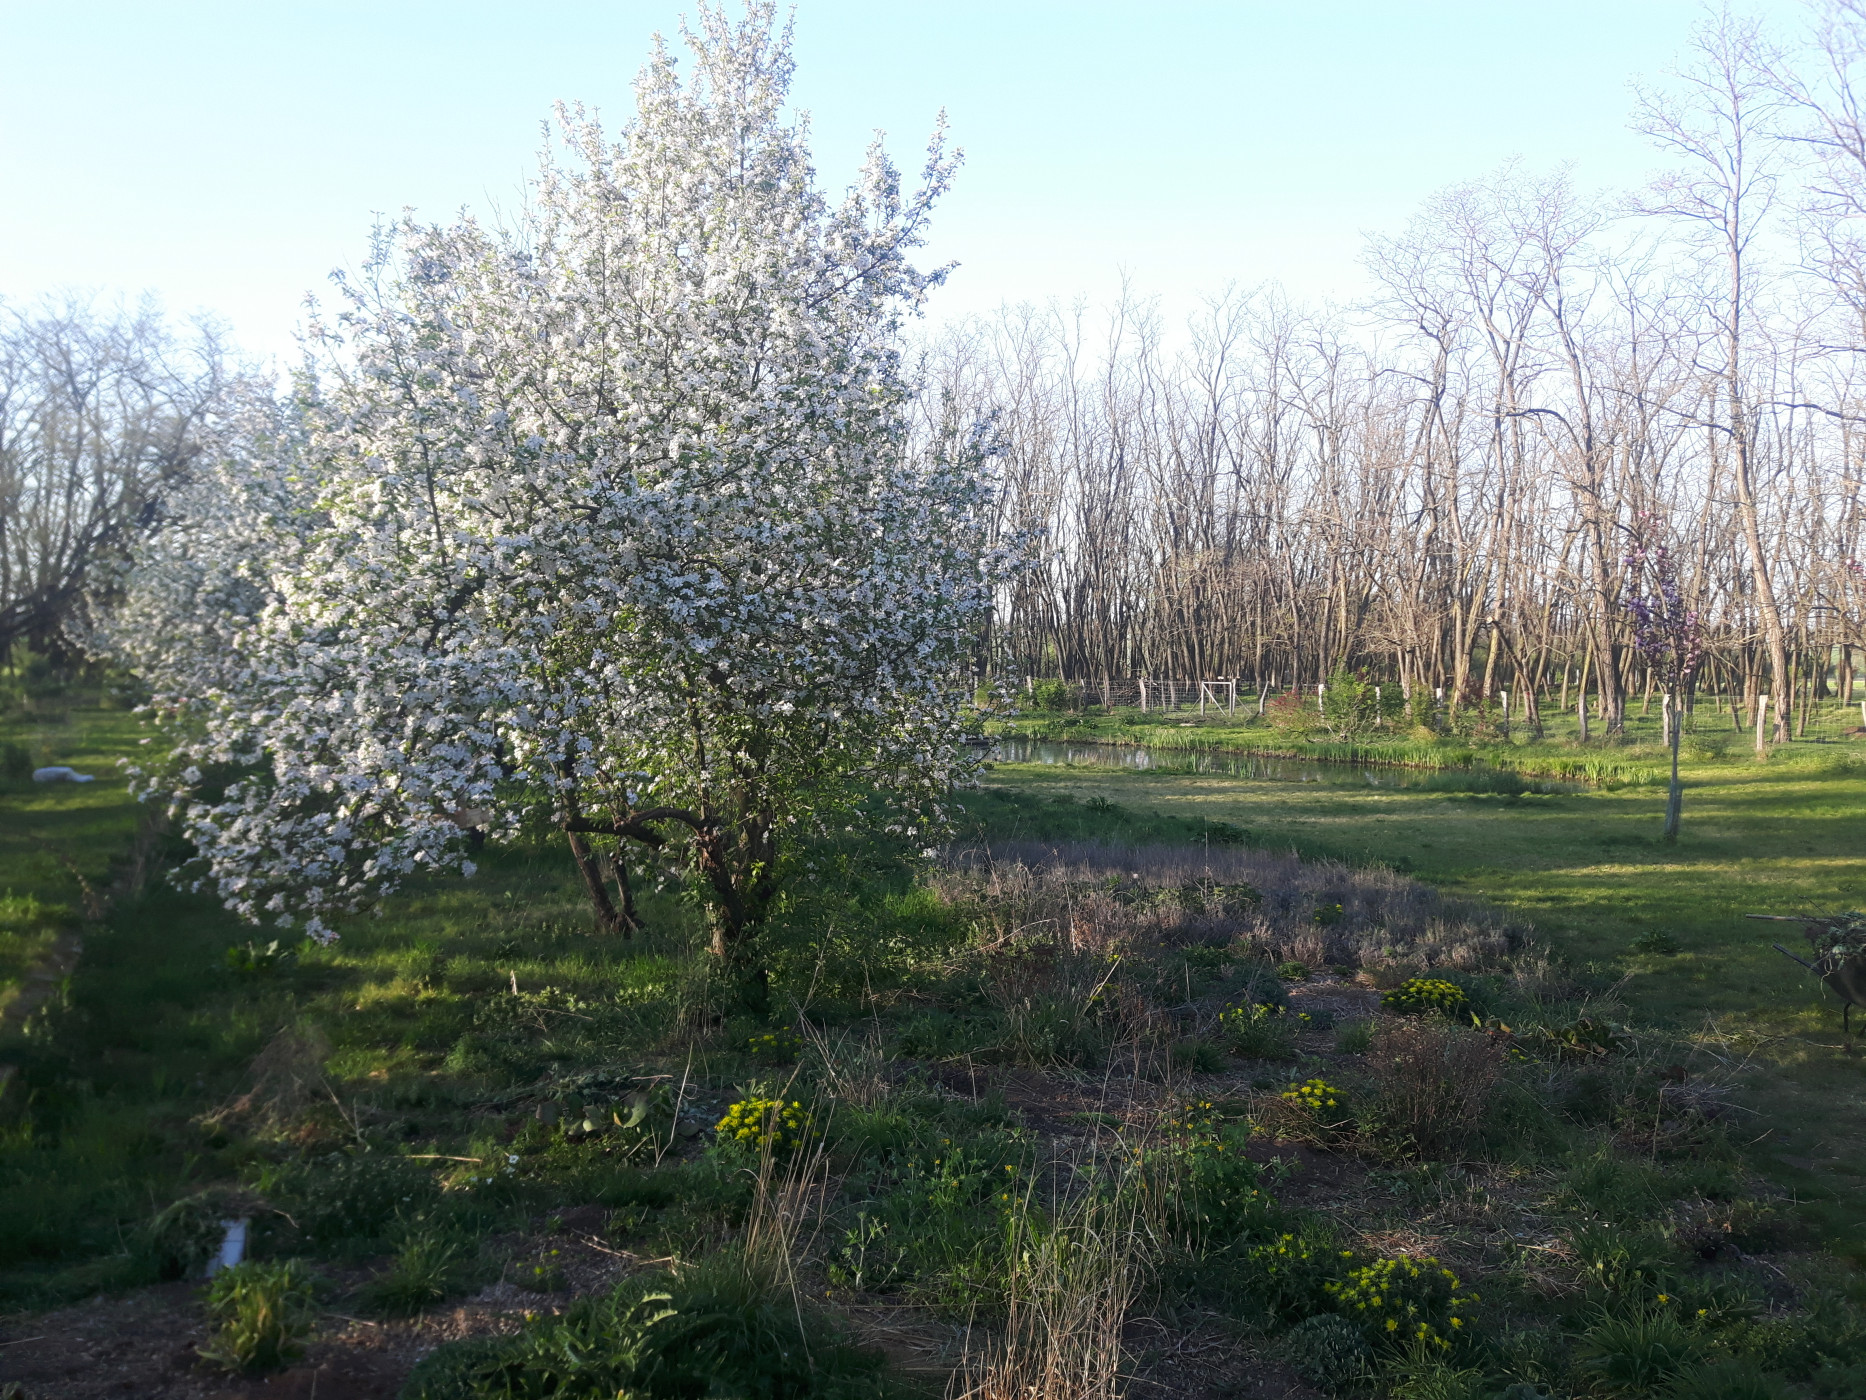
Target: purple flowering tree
1668	634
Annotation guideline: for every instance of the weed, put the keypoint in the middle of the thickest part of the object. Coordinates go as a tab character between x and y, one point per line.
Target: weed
1638	1352
352	1198
1427	994
254	959
1316	1109
1260	1032
184	1236
774	1047
427	1268
1657	942
262	1314
1288	1277
1198	1057
1070	1282
1354	1038
1329	1351
764	1124
1404	1301
1622	1265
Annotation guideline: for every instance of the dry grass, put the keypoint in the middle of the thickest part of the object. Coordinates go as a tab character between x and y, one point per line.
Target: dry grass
1072	1281
1101	898
1432	1082
287	1078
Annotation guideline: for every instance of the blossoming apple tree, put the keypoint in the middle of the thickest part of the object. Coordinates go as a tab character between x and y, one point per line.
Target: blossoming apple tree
613	515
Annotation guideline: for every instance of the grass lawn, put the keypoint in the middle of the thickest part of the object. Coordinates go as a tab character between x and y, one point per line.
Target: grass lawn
58	838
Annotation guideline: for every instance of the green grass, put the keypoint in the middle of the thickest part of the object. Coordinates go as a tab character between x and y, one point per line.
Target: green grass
436	1129
58	838
1590	871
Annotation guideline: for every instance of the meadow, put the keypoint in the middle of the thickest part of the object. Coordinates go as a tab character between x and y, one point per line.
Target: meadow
1155	1083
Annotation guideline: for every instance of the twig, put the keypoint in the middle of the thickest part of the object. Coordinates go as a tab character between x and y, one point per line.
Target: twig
442	1157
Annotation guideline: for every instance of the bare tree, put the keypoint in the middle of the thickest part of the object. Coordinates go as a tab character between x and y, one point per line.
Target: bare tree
100	410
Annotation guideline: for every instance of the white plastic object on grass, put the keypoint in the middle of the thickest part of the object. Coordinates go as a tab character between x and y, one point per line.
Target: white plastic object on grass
232	1247
60	775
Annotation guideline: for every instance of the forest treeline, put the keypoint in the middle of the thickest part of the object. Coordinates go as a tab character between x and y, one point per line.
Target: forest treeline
1443	485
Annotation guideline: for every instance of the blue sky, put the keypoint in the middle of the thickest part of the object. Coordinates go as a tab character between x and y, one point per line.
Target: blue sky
225	156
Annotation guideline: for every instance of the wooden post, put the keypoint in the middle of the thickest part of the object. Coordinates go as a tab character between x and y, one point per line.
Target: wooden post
1143	694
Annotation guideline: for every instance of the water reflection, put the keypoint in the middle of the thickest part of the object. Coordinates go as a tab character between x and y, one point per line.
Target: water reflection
1011	749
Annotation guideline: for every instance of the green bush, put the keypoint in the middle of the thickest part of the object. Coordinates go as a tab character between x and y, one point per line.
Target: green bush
262	1314
1053	693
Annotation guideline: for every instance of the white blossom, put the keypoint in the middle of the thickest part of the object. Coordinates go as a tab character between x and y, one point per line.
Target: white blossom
617	511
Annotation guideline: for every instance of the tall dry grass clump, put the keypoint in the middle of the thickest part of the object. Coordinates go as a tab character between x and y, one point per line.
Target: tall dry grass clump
1072	1278
1432	1083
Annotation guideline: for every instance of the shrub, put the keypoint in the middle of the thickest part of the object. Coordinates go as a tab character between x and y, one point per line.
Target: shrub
1422	995
1432	1085
1328	1350
262	1315
1053	693
1293	715
764	1123
1404	1301
1293	971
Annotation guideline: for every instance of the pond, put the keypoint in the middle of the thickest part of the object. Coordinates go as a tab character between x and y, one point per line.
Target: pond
1139	758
